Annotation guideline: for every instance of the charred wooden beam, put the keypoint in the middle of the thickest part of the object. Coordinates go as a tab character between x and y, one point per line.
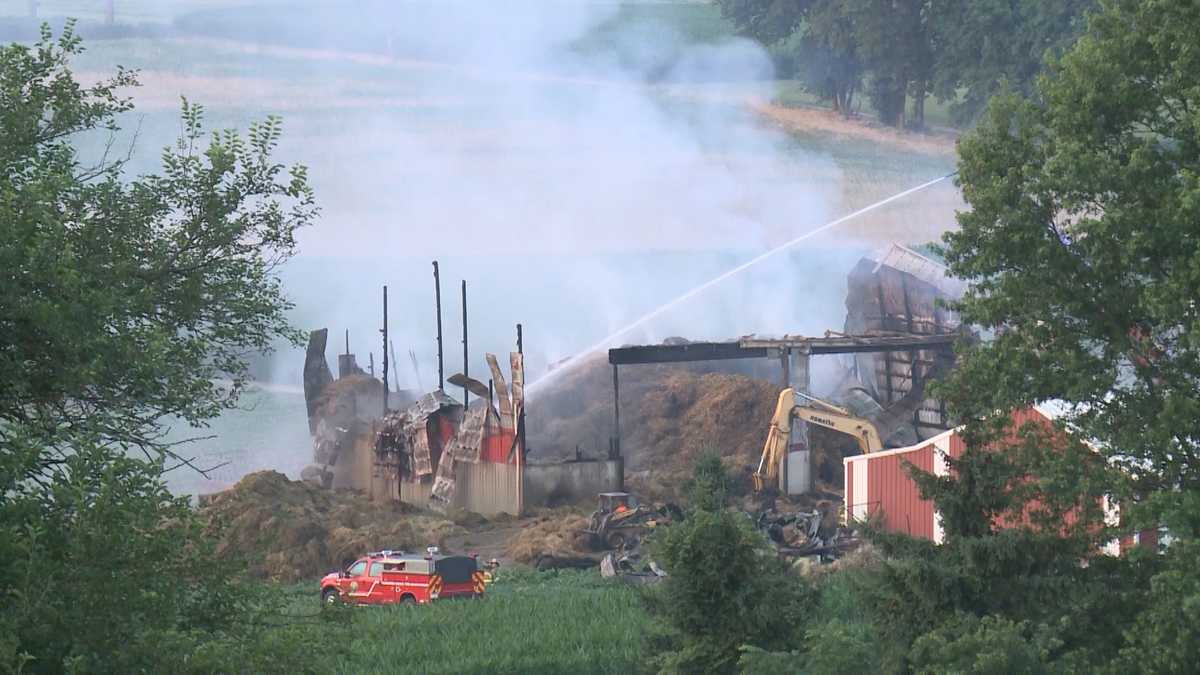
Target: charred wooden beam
759	348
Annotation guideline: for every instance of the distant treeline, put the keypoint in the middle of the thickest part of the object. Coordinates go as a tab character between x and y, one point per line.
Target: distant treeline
900	51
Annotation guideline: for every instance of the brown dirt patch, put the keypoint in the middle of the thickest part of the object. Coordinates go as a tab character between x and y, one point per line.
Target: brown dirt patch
815	120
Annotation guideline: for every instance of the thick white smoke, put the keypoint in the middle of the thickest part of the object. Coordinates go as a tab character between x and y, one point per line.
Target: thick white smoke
578	163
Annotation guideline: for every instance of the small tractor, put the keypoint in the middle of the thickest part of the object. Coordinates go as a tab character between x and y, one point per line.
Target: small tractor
620	522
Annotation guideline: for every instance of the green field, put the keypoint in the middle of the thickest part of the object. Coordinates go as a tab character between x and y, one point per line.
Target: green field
530	622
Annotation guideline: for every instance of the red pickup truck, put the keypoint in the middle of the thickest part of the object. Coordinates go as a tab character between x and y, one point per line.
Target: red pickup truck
386	577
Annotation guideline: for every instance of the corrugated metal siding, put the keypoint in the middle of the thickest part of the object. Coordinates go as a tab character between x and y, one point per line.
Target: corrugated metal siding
1143	538
488	488
485	488
848	489
416	494
496	446
889	493
894	495
1149	539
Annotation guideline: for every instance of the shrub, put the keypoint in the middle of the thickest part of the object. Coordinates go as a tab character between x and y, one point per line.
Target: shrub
726	587
987	645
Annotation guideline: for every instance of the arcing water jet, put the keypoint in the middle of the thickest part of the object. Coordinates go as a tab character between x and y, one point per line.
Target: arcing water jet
573	362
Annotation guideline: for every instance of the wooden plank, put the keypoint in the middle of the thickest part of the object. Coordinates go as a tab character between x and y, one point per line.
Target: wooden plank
503	399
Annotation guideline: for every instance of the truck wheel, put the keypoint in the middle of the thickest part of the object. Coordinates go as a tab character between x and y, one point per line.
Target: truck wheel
407	599
331	596
615	540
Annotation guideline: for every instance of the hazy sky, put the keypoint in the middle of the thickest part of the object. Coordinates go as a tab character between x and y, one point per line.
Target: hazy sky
577	163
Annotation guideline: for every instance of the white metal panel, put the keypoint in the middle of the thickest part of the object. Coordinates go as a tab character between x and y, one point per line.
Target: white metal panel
799	472
858	510
941	467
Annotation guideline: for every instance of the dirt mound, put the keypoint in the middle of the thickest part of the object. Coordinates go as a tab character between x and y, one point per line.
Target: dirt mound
558	536
290	530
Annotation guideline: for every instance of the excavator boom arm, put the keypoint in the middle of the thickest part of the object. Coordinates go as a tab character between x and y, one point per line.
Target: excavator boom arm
779	435
829	416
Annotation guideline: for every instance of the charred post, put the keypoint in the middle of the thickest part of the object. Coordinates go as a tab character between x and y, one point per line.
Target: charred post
385	354
437	294
521	419
614	450
466	398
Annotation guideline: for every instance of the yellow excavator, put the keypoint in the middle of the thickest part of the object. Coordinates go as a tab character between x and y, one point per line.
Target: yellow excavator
814	411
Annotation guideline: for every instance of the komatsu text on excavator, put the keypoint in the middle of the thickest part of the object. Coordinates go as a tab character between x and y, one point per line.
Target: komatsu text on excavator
795	405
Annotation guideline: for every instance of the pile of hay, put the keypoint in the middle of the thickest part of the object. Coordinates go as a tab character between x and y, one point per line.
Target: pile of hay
290	530
670	414
556	536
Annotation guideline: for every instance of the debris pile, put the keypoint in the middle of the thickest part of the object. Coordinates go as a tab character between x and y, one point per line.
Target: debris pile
814	534
288	530
410	442
340	412
631	569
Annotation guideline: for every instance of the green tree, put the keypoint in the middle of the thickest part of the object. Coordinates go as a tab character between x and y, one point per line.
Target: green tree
126	300
1082	251
990	645
710	486
818	32
123	300
911	49
894	40
726	588
986	43
827	55
841	40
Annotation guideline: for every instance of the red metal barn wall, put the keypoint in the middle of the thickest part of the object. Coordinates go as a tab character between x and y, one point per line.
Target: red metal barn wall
878	486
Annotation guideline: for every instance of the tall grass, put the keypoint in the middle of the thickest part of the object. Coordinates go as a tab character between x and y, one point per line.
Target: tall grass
530	622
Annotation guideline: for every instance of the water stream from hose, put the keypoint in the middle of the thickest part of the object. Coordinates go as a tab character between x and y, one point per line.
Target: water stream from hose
573	362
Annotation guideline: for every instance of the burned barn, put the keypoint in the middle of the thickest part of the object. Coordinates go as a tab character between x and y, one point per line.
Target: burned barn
900	291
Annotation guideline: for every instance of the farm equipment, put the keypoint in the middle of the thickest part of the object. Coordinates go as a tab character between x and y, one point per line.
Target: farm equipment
620	522
817	412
